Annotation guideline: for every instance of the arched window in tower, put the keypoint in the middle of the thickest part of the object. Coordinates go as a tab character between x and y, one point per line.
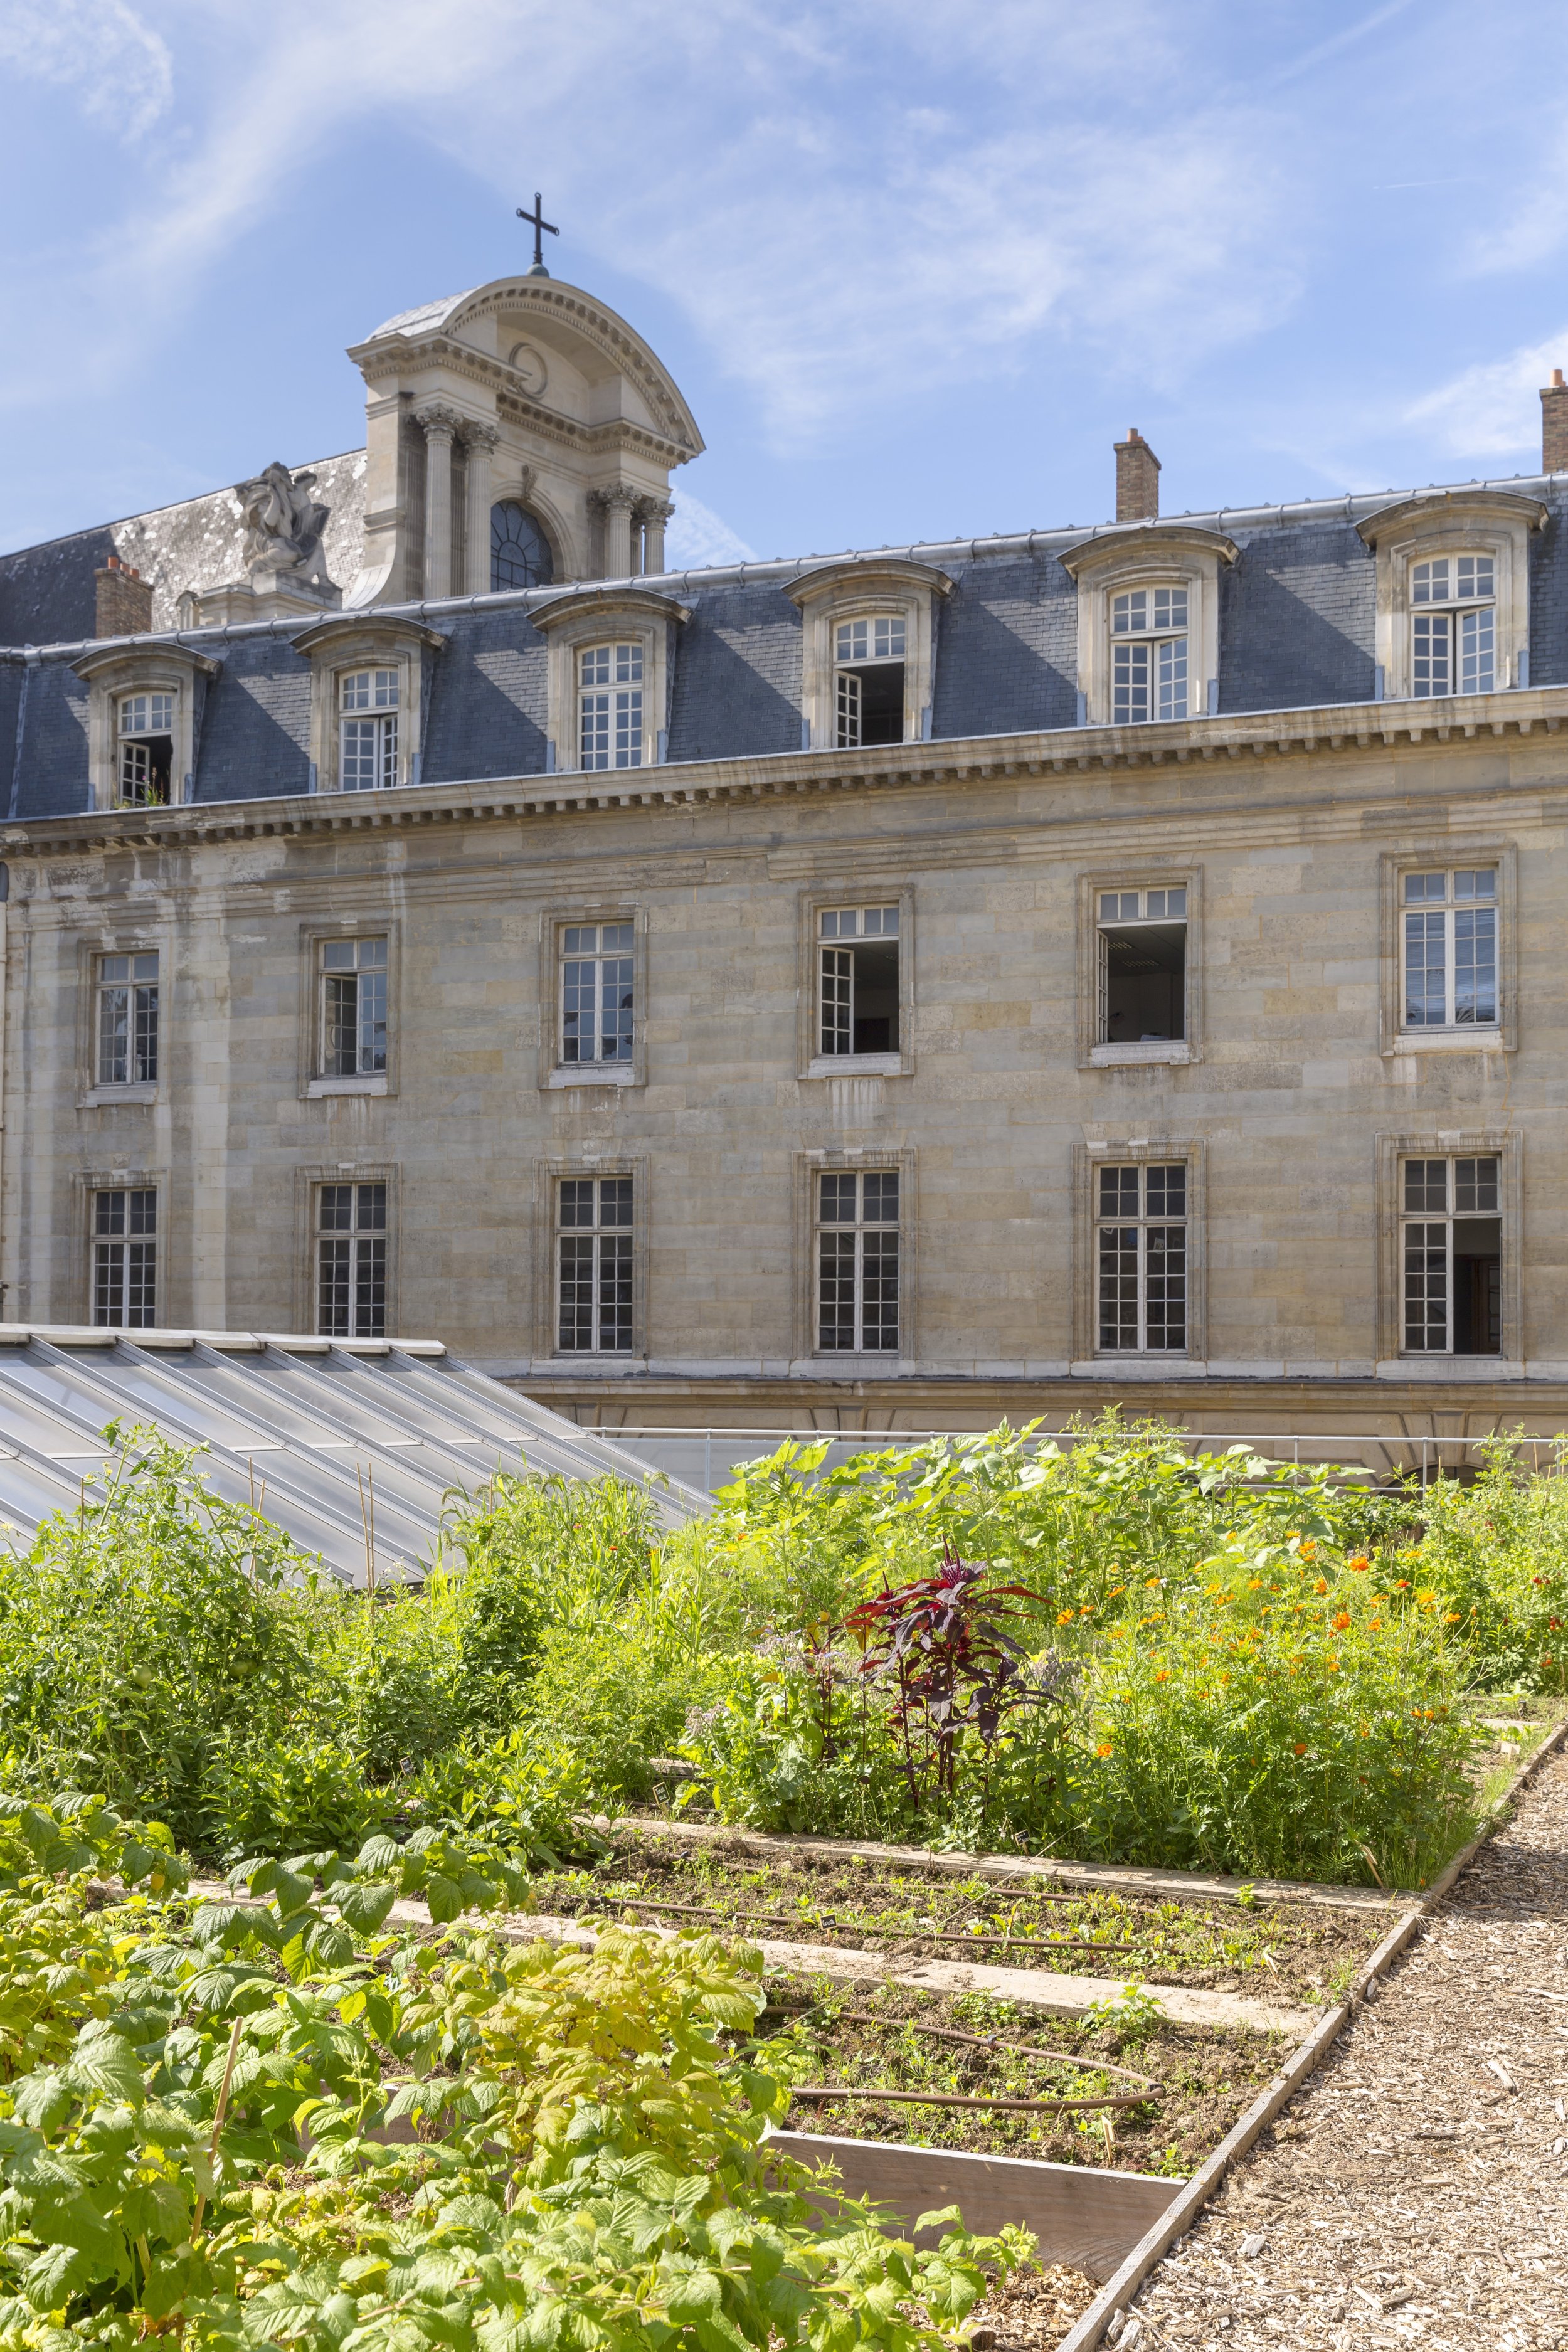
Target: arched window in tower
520	553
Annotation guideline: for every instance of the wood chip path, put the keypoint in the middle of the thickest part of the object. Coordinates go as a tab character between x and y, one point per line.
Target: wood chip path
1416	2191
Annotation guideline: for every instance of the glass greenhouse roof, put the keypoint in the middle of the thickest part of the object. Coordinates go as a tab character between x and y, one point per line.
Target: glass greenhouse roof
352	1445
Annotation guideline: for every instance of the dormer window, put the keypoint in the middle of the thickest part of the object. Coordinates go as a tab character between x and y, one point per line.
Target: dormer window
368	704
1453	624
610	706
1148	655
147	749
868	679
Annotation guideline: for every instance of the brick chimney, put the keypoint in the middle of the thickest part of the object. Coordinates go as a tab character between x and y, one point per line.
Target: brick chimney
1138	478
124	600
1554	424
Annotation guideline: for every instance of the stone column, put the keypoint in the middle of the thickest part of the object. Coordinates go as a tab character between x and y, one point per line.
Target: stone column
617	503
479	440
440	423
655	513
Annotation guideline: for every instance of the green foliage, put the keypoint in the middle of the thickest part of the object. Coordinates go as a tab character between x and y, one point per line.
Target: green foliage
203	2131
136	1628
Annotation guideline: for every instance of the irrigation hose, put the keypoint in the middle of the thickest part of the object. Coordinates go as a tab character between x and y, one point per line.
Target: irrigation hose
989	2041
874	2092
839	1928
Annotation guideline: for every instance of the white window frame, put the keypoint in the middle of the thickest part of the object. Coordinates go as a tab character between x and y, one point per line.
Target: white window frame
122	1265
1150	650
1455	524
141	719
612	729
1453	626
866	893
866	641
1394	1152
607	951
851	926
1471	1187
1093	1051
1448	914
345	646
867	1231
610	1258
366	1241
369	716
1147	1265
125	1012
1153	559
1447	855
1108	1052
365	959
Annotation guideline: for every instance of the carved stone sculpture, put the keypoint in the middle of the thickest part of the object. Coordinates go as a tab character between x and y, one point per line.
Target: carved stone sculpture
283	524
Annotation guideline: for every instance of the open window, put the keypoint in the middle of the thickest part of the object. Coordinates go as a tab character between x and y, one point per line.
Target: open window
1452	1252
1453	593
146	757
858	1003
868	679
1142	953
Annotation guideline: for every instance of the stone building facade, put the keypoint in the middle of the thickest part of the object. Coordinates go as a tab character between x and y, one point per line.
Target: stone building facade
1005	976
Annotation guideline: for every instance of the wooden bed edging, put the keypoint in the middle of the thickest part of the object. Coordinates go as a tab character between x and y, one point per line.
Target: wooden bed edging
1081	2215
1180	2215
1118	1877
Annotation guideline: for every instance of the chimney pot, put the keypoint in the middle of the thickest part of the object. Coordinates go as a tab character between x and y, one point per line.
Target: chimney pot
1137	478
1554	426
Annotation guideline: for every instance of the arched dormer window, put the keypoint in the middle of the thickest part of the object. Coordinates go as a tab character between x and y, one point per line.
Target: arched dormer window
520	553
1453	593
1149	654
868	646
1148	622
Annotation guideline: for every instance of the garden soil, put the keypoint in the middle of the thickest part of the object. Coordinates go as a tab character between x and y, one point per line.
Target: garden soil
1416	2190
1279	1952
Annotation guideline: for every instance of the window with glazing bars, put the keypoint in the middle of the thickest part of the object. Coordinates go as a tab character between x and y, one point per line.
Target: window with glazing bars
597	992
1451	1244
858	951
594	1247
125	1257
368	699
858	1260
1147	654
353	1008
868	679
1453	624
1141	1243
127	1020
1450	944
609	705
351	1260
146	758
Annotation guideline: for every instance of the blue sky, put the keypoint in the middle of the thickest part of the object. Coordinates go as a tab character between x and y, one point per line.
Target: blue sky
915	265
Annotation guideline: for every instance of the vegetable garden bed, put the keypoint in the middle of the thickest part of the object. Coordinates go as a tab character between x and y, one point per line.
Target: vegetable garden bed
1284	1953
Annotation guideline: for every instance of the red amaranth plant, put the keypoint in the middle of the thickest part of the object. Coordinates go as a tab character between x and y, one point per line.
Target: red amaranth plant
944	1644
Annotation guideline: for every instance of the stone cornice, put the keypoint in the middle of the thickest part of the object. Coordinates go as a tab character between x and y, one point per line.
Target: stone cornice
126	656
1137	543
1267	737
582	603
1441	506
852	574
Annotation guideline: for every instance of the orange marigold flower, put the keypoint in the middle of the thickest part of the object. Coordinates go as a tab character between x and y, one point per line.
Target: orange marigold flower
1064	1616
1309	1549
1342	1622
1377	1625
1322	1585
1334	1665
1301	1747
1105	1749
1255	1584
1359	1565
1452	1618
1164	1675
1151	1584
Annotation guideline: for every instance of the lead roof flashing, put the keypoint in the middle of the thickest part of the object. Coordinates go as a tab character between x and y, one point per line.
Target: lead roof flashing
1351	508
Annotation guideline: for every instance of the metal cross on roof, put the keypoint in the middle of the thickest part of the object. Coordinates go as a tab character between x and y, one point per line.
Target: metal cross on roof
539	225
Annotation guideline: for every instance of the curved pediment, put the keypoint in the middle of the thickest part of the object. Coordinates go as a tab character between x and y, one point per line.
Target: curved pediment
547	345
1429	508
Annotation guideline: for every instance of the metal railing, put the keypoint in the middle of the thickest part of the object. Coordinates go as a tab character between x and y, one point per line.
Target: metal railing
707	1458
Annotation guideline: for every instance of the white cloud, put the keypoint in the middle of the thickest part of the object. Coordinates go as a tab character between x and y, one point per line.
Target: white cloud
847	203
119	68
698	537
1491	411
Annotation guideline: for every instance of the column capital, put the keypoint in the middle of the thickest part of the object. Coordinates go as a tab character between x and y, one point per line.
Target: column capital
440	422
478	435
652	510
617	494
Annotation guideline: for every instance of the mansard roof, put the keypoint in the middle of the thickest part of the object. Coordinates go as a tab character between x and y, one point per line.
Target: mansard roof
1297	631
